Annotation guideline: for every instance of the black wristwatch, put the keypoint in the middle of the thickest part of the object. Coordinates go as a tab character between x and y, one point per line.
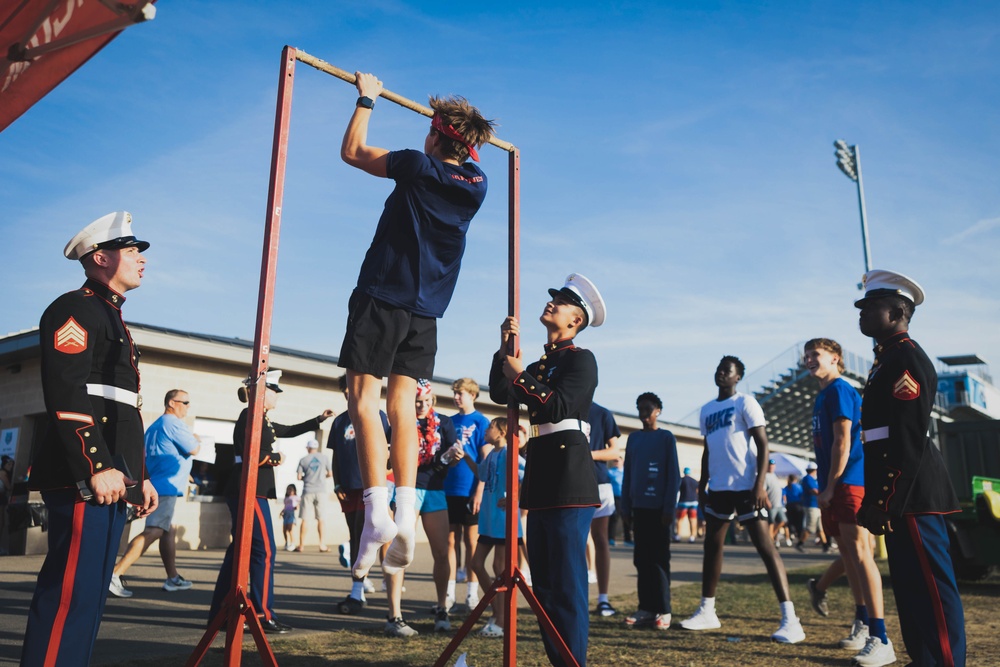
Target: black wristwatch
366	102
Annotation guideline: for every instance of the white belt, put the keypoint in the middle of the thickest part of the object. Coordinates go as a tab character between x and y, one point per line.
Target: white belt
115	394
873	434
564	425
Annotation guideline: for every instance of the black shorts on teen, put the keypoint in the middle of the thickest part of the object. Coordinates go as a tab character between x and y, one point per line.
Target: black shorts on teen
384	340
458	511
728	505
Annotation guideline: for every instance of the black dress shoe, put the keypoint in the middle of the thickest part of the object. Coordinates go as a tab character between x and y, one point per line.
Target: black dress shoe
275	626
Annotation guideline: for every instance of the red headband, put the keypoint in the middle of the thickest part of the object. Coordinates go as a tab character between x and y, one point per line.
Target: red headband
452	133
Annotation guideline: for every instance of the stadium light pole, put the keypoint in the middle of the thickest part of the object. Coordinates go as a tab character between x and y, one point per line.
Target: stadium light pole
849	162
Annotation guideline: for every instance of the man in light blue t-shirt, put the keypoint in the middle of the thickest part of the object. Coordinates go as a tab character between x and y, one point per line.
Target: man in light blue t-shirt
170	444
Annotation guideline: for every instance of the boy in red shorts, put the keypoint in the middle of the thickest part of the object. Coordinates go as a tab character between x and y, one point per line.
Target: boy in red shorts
840	459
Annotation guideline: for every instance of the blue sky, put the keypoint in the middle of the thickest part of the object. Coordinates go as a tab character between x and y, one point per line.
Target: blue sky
678	154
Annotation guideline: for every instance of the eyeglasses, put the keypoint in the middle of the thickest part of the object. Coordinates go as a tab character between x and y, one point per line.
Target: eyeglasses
182	402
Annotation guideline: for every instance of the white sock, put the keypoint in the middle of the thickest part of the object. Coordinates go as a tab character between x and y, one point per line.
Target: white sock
378	529
451	588
787	609
400	553
358	590
602	597
708	604
473	590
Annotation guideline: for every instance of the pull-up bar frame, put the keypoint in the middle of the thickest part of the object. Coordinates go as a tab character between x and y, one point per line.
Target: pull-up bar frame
237	608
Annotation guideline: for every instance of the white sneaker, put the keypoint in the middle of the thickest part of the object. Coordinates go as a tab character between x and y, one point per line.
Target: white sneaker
117	587
789	632
703	619
397	627
855	640
491	629
369	586
875	654
591	576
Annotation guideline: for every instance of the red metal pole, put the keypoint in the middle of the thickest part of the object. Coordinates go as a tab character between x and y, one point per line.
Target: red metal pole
513	440
237	608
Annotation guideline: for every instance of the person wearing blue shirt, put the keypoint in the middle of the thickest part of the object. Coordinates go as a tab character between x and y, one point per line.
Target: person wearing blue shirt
810	507
405	283
169	448
793	505
649	493
604	434
841	476
463	491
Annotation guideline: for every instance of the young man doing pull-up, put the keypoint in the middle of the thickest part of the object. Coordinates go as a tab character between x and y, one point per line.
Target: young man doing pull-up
405	283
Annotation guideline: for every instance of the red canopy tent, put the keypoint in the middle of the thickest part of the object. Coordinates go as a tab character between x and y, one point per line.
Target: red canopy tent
44	41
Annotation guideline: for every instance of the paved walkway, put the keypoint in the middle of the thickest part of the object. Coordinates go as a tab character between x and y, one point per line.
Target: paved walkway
307	586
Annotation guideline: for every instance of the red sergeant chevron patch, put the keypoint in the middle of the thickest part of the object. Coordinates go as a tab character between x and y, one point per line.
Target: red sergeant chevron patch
906	388
71	338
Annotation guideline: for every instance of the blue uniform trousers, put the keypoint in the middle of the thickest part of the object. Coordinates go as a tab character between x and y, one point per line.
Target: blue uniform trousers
72	587
262	551
651	558
557	551
923	580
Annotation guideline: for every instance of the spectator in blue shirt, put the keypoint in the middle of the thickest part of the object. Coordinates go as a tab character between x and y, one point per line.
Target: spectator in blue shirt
811	521
169	448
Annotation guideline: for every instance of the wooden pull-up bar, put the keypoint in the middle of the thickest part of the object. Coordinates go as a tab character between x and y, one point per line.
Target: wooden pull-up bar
344	75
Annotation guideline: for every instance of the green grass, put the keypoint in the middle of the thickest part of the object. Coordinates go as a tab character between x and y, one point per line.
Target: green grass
746	606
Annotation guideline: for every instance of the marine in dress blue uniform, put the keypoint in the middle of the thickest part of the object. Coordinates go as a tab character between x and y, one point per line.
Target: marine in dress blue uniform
907	492
262	546
90	380
559	488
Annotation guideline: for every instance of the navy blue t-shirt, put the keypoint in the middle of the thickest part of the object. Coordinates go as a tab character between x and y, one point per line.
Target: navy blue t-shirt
345	450
414	259
602	428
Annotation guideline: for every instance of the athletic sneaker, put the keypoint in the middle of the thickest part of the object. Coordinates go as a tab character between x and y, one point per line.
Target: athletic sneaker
289	546
591	576
789	632
460	577
397	627
344	550
875	654
605	609
691	539
369	586
350	606
856	638
441	622
703	619
818	598
640	618
491	629
117	587
177	583
662	622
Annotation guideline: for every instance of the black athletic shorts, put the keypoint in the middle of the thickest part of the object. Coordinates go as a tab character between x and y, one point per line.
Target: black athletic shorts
459	513
382	339
728	505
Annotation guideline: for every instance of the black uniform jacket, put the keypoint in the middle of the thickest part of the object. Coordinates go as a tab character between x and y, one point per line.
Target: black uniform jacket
560	468
904	471
271	432
85	341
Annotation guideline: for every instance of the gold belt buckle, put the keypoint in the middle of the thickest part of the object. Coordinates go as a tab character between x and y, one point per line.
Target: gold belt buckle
534	431
138	401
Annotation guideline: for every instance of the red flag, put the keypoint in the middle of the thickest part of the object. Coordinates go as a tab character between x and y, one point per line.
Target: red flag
44	41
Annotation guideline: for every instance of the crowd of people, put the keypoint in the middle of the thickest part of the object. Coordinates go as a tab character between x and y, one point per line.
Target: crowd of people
448	471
